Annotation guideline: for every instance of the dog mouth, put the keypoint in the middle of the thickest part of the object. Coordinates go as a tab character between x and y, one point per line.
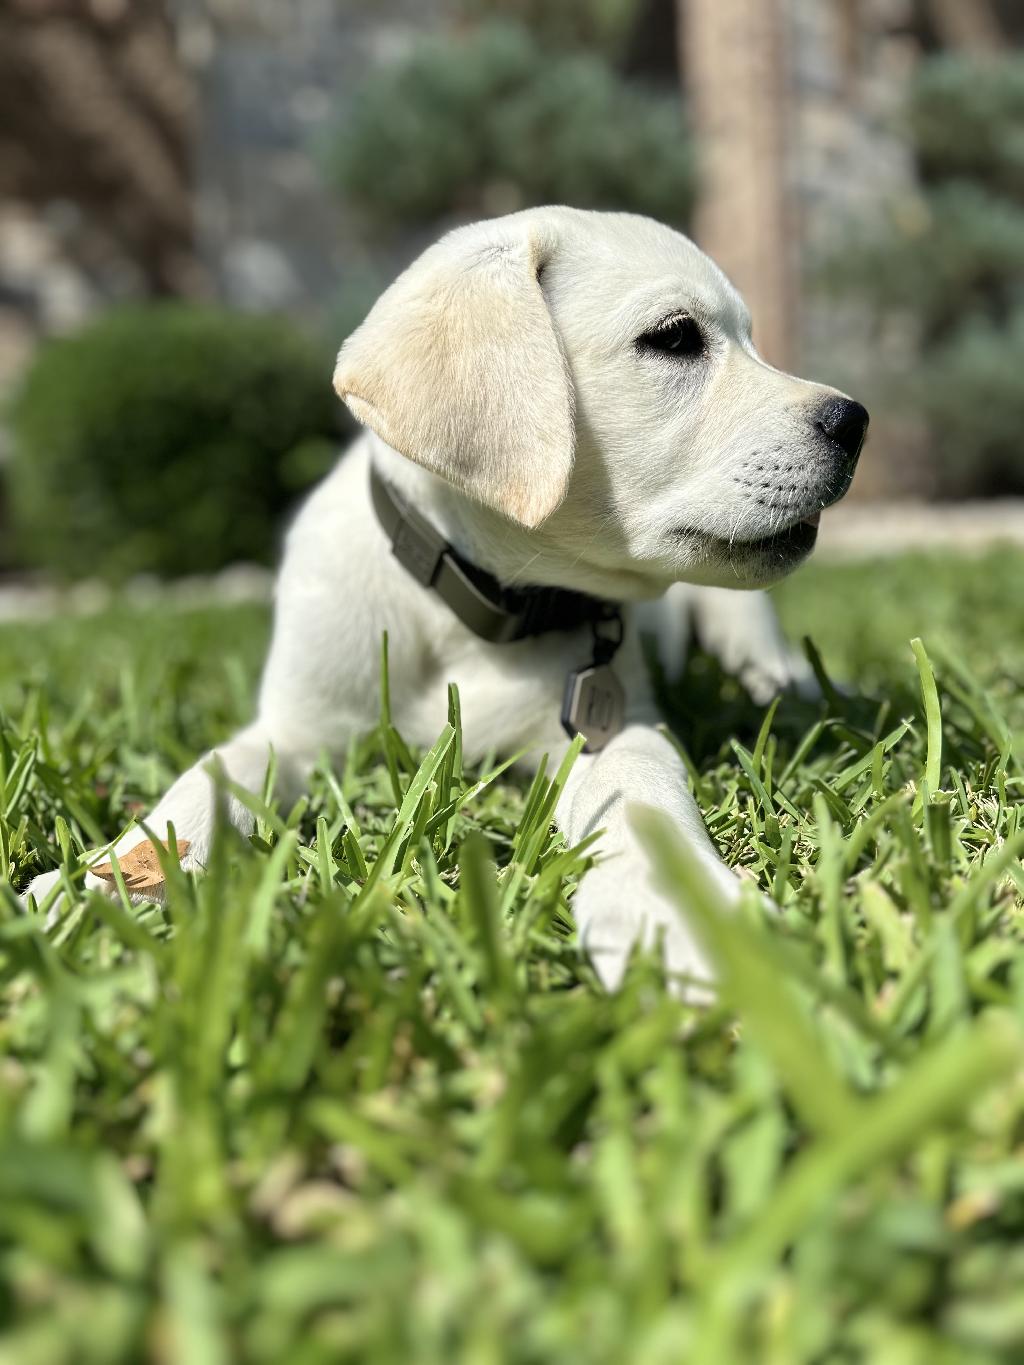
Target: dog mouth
793	541
783	547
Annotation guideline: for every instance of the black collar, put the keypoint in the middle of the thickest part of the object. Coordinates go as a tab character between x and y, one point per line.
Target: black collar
483	604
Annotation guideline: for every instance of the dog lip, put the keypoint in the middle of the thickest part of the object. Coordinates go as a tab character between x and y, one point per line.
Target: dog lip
797	538
794	534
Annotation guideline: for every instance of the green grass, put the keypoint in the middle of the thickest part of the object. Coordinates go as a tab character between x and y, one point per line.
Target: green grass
354	1096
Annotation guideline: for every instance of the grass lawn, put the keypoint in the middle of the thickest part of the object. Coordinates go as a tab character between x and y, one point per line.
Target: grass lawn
354	1096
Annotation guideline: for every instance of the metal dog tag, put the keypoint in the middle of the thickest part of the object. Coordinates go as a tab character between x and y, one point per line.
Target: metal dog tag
594	705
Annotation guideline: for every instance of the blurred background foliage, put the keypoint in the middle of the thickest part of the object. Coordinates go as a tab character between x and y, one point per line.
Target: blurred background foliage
492	121
604	27
167	439
951	261
245	161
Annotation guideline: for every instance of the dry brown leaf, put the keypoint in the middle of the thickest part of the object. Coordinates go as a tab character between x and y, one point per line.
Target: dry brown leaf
140	866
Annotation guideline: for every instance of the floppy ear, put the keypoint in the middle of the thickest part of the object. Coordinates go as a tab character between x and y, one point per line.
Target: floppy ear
458	366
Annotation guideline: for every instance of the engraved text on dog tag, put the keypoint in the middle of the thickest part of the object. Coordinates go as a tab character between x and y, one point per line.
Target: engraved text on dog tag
594	705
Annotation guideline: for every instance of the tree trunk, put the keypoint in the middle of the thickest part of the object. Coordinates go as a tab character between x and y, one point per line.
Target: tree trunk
737	88
96	109
970	26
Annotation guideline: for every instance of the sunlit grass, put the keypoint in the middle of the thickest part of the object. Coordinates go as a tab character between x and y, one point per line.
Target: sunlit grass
355	1096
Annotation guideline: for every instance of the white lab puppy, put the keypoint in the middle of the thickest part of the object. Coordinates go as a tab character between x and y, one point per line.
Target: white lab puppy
569	399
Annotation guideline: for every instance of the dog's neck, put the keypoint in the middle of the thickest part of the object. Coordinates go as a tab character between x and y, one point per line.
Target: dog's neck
518	557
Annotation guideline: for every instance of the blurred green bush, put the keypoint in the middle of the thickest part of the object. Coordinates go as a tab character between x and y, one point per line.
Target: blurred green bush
600	26
166	438
952	262
491	122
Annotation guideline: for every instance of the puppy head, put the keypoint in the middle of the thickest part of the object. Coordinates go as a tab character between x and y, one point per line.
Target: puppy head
593	375
695	459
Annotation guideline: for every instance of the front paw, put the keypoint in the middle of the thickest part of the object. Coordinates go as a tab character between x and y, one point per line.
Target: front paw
617	909
780	670
40	890
140	868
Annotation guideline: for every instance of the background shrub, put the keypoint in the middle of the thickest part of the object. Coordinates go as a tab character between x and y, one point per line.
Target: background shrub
491	122
600	26
168	439
967	121
972	390
951	262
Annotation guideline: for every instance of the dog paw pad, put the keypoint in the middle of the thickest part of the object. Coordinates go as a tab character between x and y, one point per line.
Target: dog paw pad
140	866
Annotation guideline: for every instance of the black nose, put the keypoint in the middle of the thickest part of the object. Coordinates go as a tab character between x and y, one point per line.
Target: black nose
845	422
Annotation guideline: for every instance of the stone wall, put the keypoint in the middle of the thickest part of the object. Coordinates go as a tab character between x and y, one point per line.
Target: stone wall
273	80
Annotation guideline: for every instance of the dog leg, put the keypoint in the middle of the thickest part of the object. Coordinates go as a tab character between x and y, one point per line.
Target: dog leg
190	805
616	905
742	631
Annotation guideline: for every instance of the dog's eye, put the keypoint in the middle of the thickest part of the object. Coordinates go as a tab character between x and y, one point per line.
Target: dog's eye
678	336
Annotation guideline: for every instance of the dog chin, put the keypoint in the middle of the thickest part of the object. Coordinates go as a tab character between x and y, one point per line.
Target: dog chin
753	562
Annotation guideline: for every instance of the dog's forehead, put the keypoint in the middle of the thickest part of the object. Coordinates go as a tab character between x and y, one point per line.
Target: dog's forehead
637	265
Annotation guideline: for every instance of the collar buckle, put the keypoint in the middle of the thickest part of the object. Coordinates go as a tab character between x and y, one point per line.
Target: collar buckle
418	547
